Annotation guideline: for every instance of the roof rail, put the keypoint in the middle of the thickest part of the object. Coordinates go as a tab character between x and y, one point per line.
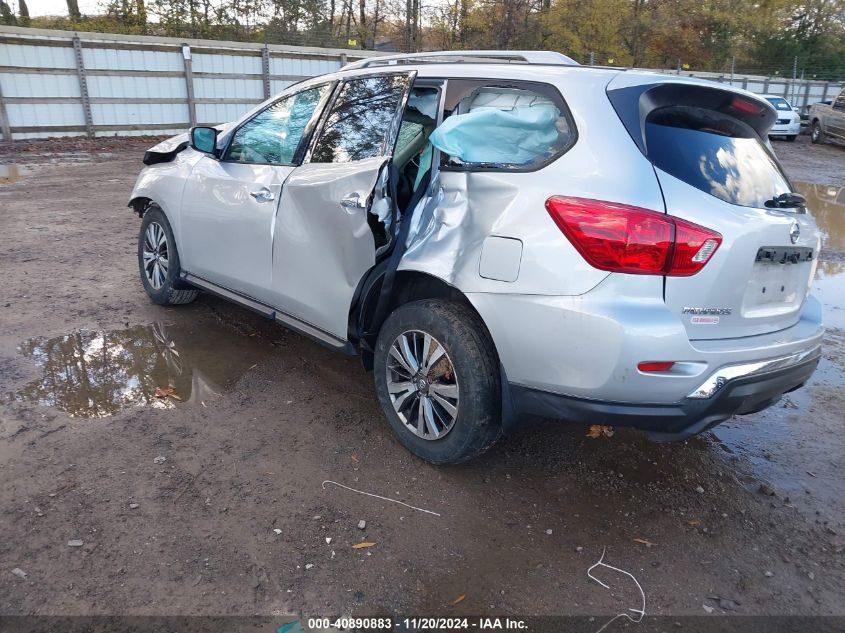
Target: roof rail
466	57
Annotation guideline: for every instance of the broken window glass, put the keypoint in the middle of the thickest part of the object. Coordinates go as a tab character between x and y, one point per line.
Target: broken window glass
502	127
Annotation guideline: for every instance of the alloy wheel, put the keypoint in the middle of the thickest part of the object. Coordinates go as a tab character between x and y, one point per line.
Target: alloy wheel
155	255
422	384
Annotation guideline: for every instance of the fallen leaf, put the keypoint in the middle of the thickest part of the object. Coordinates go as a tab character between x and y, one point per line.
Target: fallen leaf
166	392
457	600
643	541
597	430
362	545
694	522
355	458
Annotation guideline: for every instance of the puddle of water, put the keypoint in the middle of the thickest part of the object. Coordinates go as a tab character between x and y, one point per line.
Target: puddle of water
827	204
95	374
10	173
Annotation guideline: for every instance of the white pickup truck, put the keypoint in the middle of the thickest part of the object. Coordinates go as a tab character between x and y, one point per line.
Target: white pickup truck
827	120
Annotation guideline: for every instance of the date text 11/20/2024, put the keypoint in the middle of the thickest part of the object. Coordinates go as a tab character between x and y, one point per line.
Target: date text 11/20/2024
419	624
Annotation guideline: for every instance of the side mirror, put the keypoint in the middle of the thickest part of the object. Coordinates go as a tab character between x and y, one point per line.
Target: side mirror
204	139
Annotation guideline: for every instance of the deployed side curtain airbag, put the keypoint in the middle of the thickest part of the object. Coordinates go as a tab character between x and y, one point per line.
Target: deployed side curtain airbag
519	136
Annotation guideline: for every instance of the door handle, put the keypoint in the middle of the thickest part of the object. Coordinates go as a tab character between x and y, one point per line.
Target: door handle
353	201
263	195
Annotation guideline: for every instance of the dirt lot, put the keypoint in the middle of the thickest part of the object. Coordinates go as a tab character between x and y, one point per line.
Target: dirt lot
213	504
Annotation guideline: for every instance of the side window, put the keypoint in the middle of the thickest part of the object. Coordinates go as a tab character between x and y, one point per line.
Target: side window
273	135
361	119
512	126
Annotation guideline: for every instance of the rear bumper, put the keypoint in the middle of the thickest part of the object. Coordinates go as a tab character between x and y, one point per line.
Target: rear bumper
736	393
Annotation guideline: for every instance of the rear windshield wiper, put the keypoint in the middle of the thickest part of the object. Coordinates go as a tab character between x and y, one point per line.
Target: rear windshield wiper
787	200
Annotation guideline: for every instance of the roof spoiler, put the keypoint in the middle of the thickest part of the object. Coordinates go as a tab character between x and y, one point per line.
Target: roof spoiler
633	105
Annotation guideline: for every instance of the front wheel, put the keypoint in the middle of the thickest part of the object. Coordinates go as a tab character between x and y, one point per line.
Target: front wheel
437	380
158	261
816	133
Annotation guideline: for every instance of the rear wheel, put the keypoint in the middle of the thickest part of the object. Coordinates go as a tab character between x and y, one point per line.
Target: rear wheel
158	261
791	138
437	379
816	133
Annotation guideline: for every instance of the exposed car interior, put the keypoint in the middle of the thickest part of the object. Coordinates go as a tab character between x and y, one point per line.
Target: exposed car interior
530	126
412	154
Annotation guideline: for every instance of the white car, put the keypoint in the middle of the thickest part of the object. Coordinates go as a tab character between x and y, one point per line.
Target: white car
494	239
788	123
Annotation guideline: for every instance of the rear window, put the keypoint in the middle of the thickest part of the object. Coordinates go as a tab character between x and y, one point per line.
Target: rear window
715	153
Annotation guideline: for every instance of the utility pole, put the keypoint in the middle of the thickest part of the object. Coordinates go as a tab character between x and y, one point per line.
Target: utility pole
794	78
592	58
678	72
733	68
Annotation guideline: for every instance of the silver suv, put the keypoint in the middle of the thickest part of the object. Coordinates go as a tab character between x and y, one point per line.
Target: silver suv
499	234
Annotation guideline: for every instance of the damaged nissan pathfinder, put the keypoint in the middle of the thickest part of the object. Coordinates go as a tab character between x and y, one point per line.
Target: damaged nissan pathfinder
499	234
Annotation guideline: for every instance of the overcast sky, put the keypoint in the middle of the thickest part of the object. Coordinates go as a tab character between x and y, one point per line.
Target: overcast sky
55	7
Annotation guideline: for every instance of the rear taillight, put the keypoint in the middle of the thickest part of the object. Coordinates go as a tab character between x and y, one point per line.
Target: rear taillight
625	239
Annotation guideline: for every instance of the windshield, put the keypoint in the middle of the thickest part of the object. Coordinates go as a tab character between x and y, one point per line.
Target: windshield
715	153
779	103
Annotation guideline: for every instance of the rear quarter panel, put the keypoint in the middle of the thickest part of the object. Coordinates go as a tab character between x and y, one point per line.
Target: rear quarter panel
604	164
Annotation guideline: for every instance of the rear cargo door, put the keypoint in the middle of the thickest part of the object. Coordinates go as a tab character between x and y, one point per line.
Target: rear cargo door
715	171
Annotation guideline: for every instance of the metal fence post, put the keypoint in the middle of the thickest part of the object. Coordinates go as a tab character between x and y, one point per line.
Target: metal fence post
342	60
83	86
265	70
824	92
189	84
5	128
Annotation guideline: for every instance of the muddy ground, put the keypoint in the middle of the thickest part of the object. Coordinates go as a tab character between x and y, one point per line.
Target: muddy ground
213	504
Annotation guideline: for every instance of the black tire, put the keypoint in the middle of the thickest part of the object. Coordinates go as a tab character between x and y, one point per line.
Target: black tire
816	135
791	138
170	290
470	352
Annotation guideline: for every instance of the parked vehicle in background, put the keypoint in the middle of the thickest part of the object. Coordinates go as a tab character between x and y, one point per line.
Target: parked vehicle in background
538	237
827	120
788	123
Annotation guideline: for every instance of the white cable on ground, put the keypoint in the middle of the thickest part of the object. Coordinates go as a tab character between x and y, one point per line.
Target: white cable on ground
369	494
639	612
